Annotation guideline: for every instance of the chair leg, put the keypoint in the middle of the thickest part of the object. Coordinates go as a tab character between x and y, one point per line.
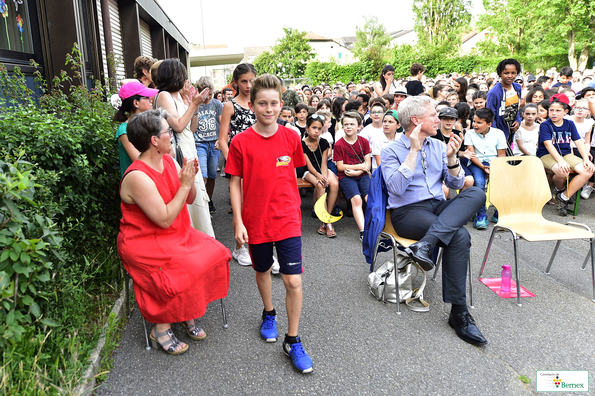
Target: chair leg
549	265
148	347
438	262
592	267
578	198
127	292
470	282
485	258
225	325
375	252
396	273
586	261
516	270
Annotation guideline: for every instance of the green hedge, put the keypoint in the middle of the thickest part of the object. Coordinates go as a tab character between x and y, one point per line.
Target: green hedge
59	214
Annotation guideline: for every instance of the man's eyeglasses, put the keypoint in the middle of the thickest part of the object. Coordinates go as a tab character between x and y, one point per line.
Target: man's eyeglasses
424	163
169	131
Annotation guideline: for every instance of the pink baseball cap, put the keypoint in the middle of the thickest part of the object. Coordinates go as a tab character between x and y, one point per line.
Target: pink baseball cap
561	97
136	88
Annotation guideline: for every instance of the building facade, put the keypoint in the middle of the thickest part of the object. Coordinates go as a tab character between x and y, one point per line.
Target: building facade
109	33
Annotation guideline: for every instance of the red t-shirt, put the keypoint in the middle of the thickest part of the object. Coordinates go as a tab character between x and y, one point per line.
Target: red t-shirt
271	209
351	154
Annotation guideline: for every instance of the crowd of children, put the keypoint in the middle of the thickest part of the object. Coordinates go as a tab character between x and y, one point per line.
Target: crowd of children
333	136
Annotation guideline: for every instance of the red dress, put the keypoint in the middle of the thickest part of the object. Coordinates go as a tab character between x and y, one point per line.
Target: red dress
177	271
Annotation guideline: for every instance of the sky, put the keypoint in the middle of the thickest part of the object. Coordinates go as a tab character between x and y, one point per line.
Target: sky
261	23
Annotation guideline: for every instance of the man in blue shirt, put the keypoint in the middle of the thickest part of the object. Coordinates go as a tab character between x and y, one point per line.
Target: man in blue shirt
414	168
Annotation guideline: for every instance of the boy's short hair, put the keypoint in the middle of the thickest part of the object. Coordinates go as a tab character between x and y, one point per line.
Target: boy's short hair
298	107
505	62
226	90
365	98
542	79
264	82
485	114
143	62
390	98
585	90
378	102
352	114
205	82
353	104
287	108
566	71
480	95
416	68
443	103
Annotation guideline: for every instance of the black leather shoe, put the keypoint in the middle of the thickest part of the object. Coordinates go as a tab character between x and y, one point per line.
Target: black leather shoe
465	327
421	253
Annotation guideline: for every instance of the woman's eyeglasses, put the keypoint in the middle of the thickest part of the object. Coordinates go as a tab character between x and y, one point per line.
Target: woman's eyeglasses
169	131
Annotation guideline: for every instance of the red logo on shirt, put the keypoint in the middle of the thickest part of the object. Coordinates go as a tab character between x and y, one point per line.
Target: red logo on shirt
283	161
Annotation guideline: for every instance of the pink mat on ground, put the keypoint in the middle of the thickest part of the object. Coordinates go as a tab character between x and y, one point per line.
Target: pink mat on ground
494	285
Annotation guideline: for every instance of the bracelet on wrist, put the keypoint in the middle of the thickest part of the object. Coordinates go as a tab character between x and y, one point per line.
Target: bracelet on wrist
456	165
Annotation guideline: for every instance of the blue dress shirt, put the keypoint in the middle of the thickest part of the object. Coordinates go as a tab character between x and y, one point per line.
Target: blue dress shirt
406	186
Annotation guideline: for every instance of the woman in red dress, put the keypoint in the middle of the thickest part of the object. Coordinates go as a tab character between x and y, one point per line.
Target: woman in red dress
176	269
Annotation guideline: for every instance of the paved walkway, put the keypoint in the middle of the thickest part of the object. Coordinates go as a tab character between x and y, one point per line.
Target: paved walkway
360	346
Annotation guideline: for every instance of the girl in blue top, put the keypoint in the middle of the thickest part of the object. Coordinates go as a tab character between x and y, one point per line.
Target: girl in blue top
555	152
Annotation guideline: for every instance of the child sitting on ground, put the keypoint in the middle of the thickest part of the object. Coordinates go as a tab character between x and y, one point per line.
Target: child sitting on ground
527	136
317	151
352	155
555	152
487	143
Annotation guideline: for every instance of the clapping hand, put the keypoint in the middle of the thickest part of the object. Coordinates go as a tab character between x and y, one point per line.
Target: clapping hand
188	171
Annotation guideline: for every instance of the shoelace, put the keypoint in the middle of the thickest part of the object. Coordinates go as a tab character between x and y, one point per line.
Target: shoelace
298	349
269	322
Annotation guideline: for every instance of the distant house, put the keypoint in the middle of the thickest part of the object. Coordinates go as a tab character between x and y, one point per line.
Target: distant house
470	40
403	36
326	49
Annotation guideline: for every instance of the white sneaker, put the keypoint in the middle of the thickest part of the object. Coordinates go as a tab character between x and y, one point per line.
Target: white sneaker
275	268
242	256
586	193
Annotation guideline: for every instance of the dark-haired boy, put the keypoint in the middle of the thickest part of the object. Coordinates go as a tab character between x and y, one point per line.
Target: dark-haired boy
565	77
415	86
487	143
266	212
352	155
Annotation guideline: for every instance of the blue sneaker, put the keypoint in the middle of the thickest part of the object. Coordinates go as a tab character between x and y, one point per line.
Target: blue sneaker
268	328
494	218
481	220
299	358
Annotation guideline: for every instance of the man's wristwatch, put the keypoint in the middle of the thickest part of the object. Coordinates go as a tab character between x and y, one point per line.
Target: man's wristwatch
455	165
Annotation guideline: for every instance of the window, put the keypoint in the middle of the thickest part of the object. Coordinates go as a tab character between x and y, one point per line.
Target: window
15	35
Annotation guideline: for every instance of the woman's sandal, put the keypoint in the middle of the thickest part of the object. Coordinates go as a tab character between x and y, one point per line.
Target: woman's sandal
322	229
194	332
330	232
169	345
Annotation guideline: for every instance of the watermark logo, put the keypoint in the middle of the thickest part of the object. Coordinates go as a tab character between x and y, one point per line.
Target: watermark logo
562	381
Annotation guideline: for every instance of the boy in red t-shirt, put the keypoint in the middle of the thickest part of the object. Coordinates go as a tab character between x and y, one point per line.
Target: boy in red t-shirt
266	156
352	154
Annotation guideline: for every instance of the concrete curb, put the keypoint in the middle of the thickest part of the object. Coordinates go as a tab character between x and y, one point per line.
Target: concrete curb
87	385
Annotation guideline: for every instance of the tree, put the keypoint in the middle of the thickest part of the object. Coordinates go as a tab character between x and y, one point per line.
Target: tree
540	28
440	22
289	56
372	43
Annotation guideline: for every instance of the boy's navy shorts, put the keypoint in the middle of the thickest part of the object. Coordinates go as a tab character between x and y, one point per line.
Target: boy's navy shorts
289	253
355	186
